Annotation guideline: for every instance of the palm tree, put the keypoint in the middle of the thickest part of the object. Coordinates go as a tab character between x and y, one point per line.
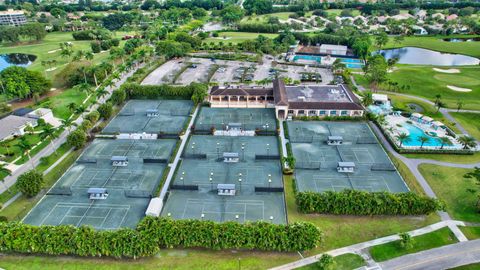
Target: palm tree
437	98
25	146
48	132
444	141
89	56
78	56
381	120
460	104
102	92
67	124
94	70
367	99
5	170
423	140
403	137
80	109
72	106
467	142
6	145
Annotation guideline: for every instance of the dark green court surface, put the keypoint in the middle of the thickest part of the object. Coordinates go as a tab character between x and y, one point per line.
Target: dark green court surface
129	188
316	161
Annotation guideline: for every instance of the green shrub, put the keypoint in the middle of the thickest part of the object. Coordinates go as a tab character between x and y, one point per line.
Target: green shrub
152	234
118	96
30	183
356	202
105	110
77	138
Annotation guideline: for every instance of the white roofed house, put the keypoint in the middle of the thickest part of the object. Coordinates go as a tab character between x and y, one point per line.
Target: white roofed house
13	125
12	17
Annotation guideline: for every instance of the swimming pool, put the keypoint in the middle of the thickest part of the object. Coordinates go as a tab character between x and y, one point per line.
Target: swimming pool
415	133
349	62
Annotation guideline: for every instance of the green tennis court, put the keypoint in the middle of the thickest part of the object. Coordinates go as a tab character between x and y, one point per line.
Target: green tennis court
169	117
257	180
129	187
317	162
247	118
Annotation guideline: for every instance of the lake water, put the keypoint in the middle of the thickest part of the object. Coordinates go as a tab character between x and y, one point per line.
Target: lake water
16	59
419	56
475	39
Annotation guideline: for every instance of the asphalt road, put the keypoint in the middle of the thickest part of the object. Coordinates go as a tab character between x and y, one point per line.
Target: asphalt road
445	257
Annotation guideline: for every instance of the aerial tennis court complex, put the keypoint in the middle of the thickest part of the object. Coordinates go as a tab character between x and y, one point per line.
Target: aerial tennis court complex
129	186
223	178
341	155
151	117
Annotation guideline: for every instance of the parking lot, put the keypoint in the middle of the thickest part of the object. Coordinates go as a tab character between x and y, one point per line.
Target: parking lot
188	70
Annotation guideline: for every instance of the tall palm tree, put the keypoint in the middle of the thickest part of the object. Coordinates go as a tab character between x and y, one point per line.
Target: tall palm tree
80	109
403	137
102	92
467	142
25	146
444	141
423	140
5	170
367	99
72	106
48	132
67	124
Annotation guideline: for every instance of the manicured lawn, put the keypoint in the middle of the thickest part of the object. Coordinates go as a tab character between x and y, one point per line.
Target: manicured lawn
464	159
342	231
347	261
336	12
470	121
166	259
471	232
426	82
450	185
431	240
59	103
47	49
236	37
263	18
436	43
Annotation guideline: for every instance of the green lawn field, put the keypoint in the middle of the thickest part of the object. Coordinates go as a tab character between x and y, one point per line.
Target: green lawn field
436	43
347	261
47	49
426	82
236	37
450	185
470	121
471	232
431	240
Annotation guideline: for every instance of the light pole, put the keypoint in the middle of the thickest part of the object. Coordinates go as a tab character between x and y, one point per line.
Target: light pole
240	183
183	181
268	149
211	183
271	219
202	216
218	150
243	153
269	182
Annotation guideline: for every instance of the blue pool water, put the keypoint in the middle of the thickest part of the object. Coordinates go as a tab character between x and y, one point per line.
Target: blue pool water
16	59
349	62
416	133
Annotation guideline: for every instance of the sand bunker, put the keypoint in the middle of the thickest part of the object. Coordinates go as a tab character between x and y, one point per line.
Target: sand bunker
451	71
54	51
459	89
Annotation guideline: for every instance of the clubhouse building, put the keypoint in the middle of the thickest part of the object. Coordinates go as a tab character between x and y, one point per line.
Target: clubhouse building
290	101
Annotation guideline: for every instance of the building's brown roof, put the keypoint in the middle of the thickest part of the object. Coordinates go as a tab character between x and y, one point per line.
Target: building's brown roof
217	91
324	106
279	92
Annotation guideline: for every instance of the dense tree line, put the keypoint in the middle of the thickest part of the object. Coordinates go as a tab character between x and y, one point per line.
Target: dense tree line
259	27
31	31
152	234
96	34
19	82
356	202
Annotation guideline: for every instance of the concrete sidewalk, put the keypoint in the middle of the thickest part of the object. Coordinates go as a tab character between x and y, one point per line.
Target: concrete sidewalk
445	257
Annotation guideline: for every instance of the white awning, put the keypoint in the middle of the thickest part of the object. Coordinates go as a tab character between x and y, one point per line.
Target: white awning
154	207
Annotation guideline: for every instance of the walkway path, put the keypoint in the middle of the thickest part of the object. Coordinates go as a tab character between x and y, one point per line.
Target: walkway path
51	147
174	165
445	257
283	140
357	248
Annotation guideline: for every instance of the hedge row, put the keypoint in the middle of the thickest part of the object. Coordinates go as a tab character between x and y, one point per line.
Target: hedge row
137	91
152	234
356	202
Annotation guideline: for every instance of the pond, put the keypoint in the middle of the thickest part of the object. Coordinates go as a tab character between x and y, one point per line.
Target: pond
419	56
16	59
474	39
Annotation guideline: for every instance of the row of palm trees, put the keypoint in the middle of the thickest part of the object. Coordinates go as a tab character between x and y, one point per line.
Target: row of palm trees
465	141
